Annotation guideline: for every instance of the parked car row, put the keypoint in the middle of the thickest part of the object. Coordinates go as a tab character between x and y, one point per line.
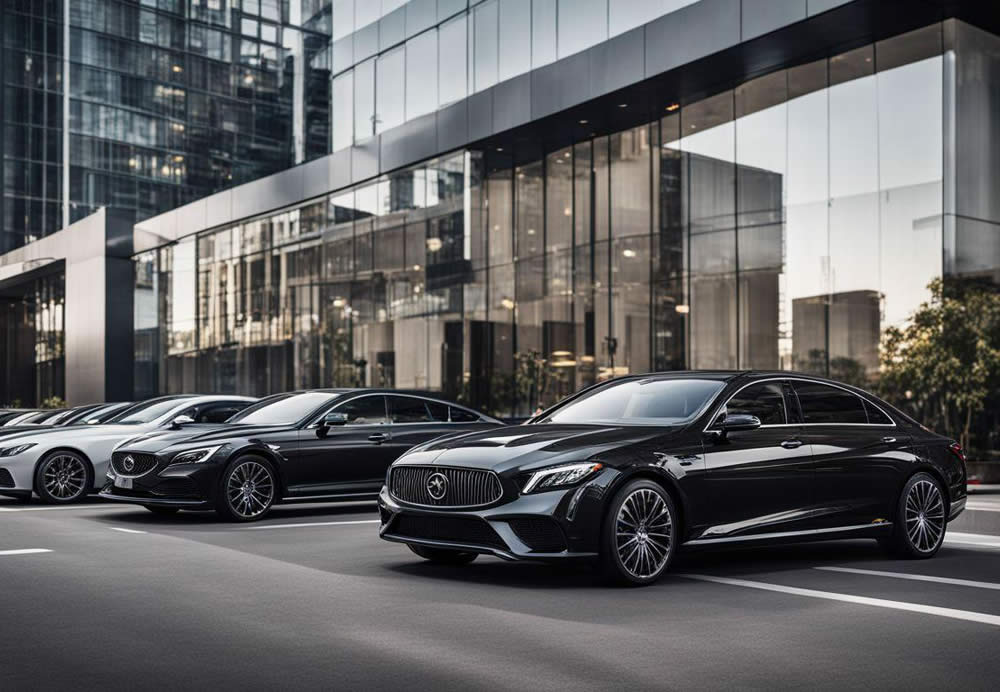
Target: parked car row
623	472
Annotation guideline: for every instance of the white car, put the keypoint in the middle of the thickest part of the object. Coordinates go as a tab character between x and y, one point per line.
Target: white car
62	465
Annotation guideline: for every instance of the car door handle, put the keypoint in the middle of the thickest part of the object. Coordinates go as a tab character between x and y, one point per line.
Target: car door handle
888	440
791	444
378	438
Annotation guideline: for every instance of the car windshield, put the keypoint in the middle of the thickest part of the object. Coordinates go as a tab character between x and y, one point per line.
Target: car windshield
146	412
640	402
284	409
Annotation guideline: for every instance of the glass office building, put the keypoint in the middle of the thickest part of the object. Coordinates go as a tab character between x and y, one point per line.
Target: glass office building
781	221
167	101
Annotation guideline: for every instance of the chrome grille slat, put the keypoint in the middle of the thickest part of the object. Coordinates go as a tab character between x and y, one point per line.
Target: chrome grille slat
466	487
142	464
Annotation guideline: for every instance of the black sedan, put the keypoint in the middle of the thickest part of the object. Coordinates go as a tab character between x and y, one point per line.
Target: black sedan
332	444
628	470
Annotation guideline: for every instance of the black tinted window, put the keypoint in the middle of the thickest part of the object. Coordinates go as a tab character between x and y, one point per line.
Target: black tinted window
823	404
439	412
459	415
218	413
763	400
876	416
407	409
366	410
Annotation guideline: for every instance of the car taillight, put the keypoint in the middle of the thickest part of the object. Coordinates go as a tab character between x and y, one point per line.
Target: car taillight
957	450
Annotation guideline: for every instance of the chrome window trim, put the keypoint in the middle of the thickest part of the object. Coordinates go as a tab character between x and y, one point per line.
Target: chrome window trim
710	426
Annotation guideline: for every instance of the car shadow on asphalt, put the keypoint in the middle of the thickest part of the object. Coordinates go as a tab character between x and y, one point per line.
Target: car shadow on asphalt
737	563
139	517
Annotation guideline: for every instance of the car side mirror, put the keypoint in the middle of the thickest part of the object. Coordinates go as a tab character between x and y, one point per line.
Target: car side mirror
332	419
177	422
735	422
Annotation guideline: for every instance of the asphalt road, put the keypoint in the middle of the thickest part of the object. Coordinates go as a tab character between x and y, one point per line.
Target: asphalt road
311	599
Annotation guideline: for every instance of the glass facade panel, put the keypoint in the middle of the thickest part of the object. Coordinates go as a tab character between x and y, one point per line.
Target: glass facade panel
782	224
364	101
582	23
421	74
485	46
452	66
391	89
342	110
515	39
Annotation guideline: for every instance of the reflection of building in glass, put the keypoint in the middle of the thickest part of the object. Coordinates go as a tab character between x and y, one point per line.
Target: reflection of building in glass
837	333
522	198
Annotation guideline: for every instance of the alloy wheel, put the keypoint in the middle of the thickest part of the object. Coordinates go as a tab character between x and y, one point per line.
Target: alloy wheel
64	477
924	516
250	489
643	532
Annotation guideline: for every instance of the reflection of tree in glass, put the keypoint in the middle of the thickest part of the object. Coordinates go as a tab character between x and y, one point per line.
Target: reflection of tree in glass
944	365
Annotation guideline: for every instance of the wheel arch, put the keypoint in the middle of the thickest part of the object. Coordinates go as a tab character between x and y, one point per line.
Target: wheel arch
664	480
64	448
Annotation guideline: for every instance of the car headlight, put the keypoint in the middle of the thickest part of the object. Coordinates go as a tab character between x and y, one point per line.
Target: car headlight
560	476
195	456
14	451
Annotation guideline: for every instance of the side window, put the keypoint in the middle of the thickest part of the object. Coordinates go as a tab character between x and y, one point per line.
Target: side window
876	416
439	412
218	413
408	409
459	415
365	410
764	400
824	404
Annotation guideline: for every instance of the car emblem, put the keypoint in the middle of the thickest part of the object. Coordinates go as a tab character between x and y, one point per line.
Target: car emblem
128	462
437	486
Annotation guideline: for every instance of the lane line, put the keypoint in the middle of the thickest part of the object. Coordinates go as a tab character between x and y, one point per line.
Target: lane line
311	523
968	615
115	528
54	509
973	507
979	540
25	551
915	577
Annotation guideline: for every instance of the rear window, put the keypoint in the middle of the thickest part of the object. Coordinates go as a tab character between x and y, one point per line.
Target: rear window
821	403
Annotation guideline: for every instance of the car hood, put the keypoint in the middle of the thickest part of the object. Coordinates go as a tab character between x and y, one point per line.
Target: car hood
74	434
189	435
530	446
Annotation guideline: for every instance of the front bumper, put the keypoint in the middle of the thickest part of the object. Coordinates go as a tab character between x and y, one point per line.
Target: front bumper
188	486
550	526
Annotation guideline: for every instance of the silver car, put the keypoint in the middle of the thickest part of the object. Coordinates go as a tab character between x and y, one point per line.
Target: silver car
62	465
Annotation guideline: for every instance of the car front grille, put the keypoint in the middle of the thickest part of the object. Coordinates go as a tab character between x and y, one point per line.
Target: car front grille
540	534
462	487
141	464
464	530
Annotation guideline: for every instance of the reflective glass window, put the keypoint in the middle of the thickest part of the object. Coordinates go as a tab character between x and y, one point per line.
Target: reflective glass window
515	38
342	106
582	23
391	80
485	49
764	400
364	101
452	57
421	74
821	403
543	32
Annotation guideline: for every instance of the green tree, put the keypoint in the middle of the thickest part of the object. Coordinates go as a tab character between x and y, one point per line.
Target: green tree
945	363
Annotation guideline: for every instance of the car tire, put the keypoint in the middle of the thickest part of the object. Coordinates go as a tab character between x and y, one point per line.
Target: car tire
921	520
163	511
63	477
631	553
247	489
443	556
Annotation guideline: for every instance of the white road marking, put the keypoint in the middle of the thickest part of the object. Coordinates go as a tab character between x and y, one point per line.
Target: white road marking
969	615
978	540
25	551
115	528
59	508
915	577
974	507
311	523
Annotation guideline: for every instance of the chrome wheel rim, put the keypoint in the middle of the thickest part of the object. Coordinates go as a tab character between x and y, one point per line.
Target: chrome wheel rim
643	532
250	489
64	477
924	515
